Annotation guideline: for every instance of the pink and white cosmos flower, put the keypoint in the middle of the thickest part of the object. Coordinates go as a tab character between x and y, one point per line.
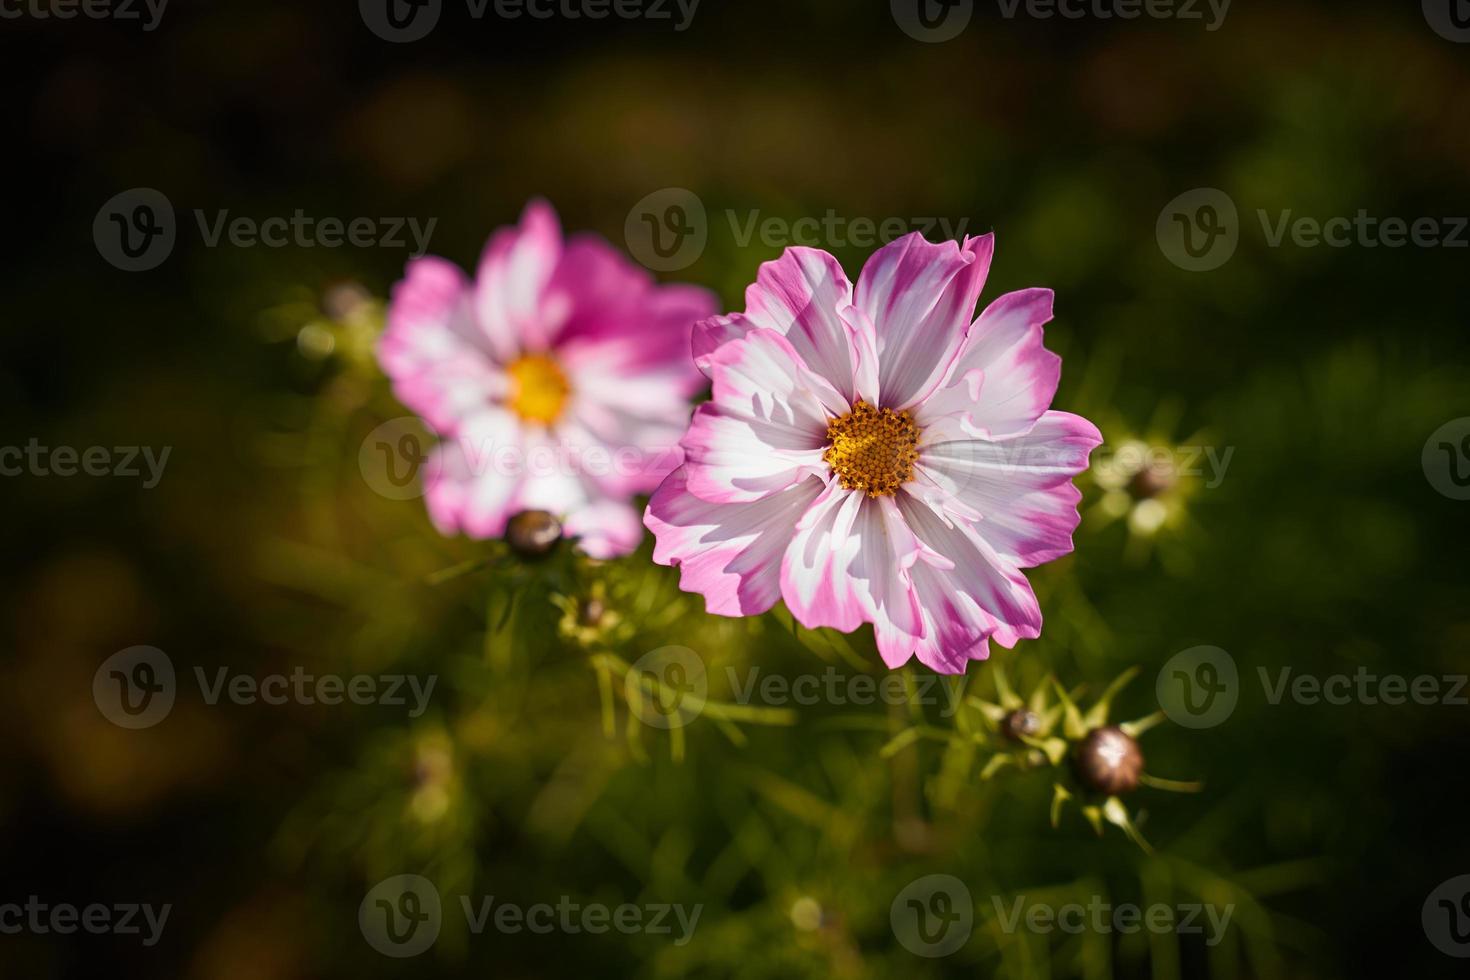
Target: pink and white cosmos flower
870	455
559	380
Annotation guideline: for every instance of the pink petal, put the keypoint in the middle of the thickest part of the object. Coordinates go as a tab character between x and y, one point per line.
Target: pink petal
865	370
479	477
605	529
988	596
765	428
920	297
615	307
887	550
956	632
1020	488
1003	378
800	296
729	553
431	349
510	286
712	333
551	480
814	572
736	457
623	452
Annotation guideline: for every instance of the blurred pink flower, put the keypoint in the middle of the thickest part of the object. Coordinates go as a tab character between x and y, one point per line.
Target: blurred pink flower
869	455
559	380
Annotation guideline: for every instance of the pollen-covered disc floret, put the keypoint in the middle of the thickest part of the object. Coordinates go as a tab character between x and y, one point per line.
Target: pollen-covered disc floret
539	389
872	449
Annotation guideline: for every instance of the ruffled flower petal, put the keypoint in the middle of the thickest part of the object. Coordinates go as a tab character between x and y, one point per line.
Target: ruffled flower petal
920	297
728	553
1003	378
1020	488
510	285
814	572
980	594
431	348
766	426
477	476
613	309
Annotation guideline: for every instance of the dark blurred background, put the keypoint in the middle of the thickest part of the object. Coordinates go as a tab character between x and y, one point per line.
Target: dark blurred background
262	548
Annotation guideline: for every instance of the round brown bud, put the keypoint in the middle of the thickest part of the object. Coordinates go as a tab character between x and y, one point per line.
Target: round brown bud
1109	761
533	533
1020	723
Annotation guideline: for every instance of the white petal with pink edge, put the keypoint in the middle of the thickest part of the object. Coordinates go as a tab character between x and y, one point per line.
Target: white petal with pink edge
981	595
1018	492
887	549
729	553
1004	378
766	427
920	297
801	296
511	282
814	572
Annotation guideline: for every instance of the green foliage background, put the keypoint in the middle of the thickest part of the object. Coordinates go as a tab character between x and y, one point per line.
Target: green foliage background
1324	548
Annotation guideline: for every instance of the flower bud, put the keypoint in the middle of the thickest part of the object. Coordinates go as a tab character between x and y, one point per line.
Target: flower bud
1020	723
1109	761
533	533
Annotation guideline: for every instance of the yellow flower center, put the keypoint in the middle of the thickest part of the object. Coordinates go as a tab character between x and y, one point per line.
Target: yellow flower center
538	388
872	449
